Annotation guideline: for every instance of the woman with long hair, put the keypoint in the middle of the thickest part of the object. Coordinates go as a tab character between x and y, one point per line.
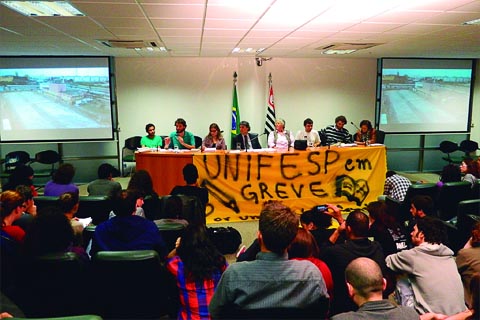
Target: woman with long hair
214	139
367	133
471	170
197	266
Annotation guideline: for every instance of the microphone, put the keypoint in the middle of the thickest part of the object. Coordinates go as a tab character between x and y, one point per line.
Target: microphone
255	138
353	124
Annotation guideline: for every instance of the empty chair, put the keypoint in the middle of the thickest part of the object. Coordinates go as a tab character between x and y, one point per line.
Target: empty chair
401	210
465	210
128	154
48	158
449	147
469	147
54	285
13	159
132	285
96	207
45	201
380	136
449	196
198	141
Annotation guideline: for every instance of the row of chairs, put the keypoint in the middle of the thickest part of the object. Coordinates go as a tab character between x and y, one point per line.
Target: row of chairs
47	157
449	147
121	284
99	207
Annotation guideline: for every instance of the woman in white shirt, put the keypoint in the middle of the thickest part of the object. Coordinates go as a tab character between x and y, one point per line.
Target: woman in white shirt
280	138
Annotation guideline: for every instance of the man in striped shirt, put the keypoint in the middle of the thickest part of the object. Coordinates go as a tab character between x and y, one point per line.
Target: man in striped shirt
337	133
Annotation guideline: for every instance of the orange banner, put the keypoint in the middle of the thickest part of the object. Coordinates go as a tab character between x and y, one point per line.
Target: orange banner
239	183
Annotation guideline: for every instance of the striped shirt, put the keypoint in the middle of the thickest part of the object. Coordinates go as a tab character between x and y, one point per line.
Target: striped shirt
334	135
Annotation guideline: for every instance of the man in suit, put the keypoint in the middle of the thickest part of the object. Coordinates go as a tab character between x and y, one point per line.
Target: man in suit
245	138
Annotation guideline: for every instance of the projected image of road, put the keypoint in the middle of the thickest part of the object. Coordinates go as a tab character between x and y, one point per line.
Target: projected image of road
55	103
425	97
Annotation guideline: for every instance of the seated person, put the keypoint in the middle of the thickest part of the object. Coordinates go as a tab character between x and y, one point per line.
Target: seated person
127	231
280	138
450	173
395	186
367	134
366	284
337	133
151	140
470	171
190	175
51	232
104	185
468	262
245	139
21	175
69	203
181	138
30	210
309	134
214	139
271	281
61	181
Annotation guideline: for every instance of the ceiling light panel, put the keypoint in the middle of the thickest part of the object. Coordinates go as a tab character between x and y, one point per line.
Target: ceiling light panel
43	8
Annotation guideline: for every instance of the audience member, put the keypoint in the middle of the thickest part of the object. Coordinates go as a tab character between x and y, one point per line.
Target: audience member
181	138
30	210
50	233
396	186
420	206
309	134
191	188
127	231
470	170
337	133
366	284
151	140
61	181
280	138
384	229
431	267
214	138
245	139
141	182
104	185
367	133
468	261
69	203
338	256
450	173
304	247
271	281
11	239
21	175
197	266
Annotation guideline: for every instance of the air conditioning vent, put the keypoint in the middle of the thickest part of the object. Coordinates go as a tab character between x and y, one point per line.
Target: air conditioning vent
130	44
345	48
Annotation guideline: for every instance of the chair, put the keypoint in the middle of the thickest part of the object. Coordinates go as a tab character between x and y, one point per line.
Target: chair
132	284
465	209
192	209
380	136
469	147
48	158
128	154
45	201
401	210
319	311
450	194
198	142
323	137
12	160
449	147
96	207
54	285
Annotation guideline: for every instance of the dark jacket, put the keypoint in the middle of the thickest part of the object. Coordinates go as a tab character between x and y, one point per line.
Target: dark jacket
253	139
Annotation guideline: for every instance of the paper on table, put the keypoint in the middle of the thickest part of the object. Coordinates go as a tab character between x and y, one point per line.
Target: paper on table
85	221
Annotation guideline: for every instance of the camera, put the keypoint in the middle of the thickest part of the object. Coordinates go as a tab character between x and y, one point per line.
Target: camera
321	208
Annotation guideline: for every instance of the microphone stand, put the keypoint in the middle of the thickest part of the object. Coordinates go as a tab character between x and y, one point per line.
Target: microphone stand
254	138
353	124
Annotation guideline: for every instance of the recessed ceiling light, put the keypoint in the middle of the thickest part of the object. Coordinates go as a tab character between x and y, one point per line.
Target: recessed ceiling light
338	51
43	8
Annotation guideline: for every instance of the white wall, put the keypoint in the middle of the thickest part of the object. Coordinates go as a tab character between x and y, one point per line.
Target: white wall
200	90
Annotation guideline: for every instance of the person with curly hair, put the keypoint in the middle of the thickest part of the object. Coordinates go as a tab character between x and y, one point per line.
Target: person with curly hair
61	181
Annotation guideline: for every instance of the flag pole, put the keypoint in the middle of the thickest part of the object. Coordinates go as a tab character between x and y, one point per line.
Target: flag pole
270	115
235	110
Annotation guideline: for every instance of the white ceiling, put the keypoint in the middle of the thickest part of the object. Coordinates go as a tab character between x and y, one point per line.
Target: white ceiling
285	28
